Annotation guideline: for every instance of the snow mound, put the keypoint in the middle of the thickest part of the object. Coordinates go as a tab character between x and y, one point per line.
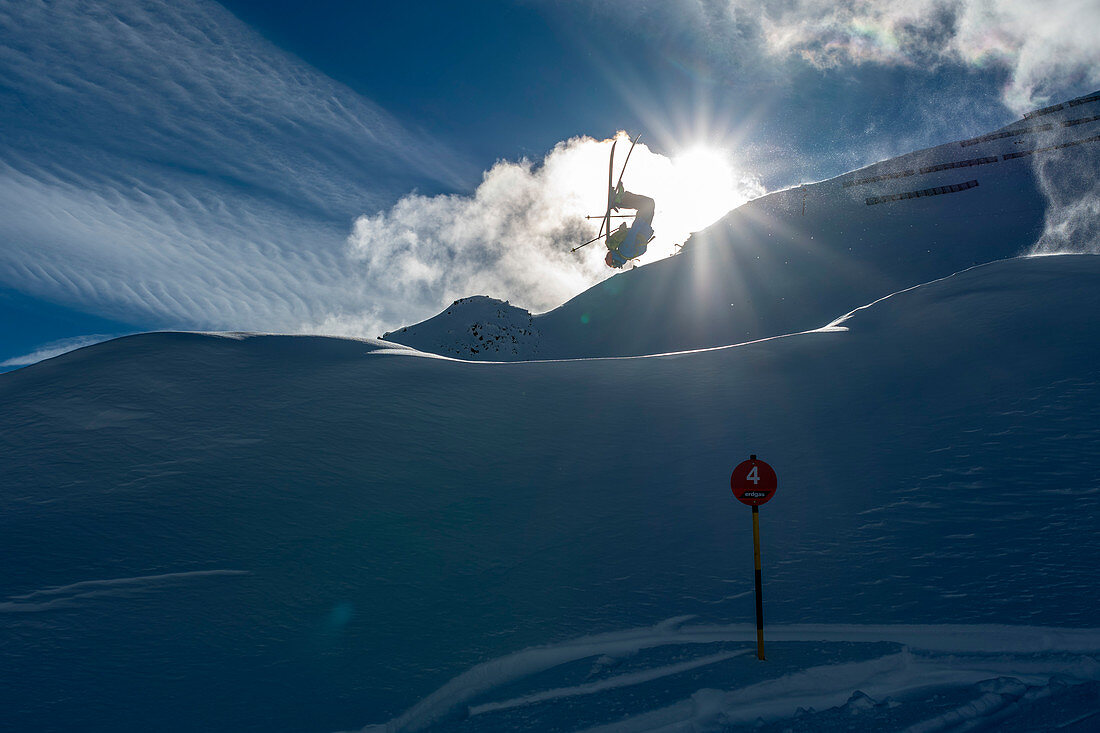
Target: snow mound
346	533
477	327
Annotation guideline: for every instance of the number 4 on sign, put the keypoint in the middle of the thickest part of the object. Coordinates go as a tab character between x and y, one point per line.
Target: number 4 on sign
762	478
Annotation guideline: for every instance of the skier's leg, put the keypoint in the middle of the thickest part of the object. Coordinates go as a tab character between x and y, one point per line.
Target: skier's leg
643	204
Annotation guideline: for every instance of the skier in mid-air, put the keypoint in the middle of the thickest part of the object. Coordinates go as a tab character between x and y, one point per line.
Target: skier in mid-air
624	244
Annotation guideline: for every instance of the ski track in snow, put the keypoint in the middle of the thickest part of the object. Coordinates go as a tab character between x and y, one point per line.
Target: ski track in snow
855	688
49	599
608	684
1004	662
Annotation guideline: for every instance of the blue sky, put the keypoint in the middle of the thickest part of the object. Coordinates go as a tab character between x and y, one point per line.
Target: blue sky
349	167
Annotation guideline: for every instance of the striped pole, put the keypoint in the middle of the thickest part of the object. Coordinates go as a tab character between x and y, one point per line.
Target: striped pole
754	482
759	584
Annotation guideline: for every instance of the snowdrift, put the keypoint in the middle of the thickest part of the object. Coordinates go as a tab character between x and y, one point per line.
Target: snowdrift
301	533
792	260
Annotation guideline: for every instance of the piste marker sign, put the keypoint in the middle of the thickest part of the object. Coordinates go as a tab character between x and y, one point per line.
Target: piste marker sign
753	482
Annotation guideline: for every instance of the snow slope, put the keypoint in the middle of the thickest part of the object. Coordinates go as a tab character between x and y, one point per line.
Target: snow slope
794	259
233	532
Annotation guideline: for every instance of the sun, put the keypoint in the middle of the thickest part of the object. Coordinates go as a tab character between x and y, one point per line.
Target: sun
704	187
693	187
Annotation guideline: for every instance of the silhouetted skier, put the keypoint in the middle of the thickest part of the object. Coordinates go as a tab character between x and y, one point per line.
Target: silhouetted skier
624	244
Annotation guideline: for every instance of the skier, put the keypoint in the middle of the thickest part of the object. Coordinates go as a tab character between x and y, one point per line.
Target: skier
625	244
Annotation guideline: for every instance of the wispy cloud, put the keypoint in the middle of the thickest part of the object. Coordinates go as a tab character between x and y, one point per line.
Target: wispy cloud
162	162
1047	49
186	85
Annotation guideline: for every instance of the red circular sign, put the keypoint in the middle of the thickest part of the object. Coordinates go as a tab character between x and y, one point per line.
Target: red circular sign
754	482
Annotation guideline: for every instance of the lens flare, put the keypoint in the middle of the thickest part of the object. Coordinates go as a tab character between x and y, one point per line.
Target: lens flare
693	189
705	187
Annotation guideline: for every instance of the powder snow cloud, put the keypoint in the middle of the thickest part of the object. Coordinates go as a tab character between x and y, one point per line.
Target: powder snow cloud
511	239
1068	178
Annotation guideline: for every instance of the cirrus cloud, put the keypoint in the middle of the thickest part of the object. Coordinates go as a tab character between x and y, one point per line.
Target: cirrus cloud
163	164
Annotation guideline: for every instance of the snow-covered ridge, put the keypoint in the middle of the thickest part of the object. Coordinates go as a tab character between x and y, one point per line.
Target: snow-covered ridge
796	259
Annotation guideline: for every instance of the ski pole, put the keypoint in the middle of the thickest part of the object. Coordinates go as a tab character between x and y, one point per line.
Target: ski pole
590	241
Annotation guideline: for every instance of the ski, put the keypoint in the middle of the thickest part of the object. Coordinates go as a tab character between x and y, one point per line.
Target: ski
632	144
610	192
606	223
605	227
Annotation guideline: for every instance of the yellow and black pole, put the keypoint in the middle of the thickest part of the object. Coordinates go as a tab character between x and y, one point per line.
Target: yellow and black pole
754	482
759	583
